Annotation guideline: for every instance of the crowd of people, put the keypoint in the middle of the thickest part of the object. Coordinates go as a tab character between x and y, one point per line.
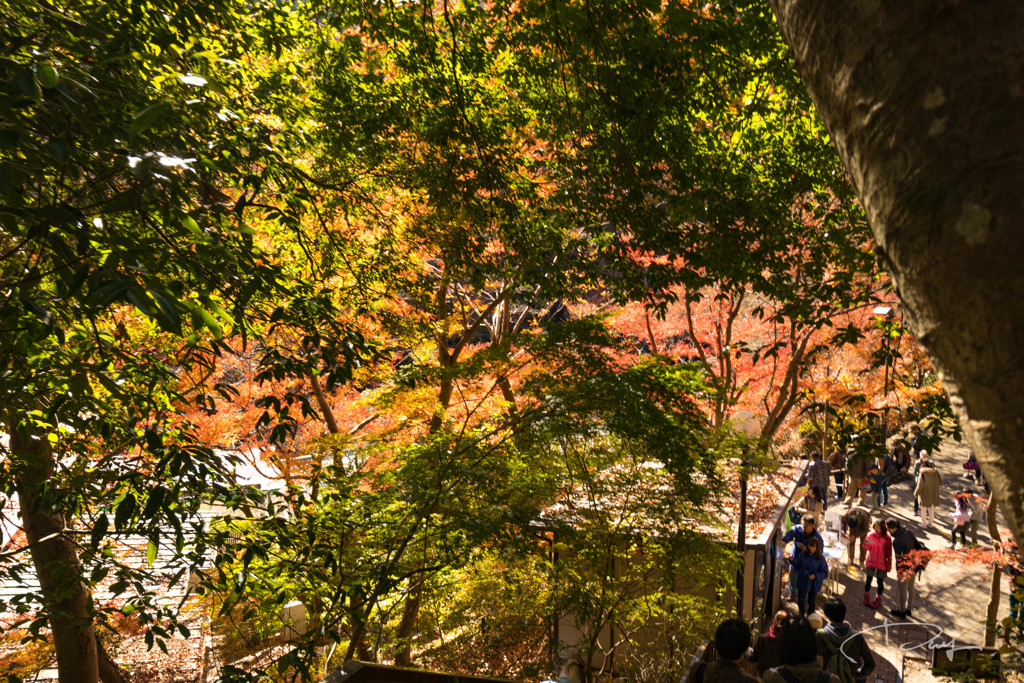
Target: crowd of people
791	650
862	484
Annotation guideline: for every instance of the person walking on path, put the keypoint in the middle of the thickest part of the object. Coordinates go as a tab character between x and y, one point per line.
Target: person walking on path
856	524
886	469
819	474
732	638
918	440
900	458
1011	564
961	519
878	564
978	508
765	653
919	462
839	634
811	571
837	463
799	535
798	650
857	469
904	545
872	485
812	504
927	492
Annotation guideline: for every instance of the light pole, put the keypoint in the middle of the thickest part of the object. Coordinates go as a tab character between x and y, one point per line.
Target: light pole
747	424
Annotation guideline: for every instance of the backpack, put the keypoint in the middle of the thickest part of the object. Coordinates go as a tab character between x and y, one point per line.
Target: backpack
837	663
823	676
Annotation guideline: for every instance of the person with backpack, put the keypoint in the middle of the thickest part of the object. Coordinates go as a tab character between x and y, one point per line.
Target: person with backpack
907	565
732	638
838	635
798	651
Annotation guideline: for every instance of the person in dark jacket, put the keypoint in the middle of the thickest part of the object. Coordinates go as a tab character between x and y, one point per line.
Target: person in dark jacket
812	570
837	463
766	648
818	474
918	440
843	640
799	535
798	650
857	471
903	544
732	638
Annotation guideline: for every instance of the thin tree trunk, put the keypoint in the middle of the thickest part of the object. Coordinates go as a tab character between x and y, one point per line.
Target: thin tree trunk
650	332
991	627
66	599
506	393
325	407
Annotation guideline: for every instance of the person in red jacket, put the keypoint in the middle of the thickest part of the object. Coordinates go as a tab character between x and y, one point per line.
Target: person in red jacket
879	562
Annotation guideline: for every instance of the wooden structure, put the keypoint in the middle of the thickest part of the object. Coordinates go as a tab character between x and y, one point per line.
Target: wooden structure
364	672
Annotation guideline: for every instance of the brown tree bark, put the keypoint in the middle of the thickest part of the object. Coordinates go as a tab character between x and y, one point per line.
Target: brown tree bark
56	562
993	591
922	99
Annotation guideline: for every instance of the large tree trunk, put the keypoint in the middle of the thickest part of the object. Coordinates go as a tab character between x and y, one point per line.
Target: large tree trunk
923	100
56	563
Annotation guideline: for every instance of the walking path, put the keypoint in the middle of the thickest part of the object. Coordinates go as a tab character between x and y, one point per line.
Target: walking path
952	593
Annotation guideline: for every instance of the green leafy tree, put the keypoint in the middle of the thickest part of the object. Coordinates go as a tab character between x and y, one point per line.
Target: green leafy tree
136	160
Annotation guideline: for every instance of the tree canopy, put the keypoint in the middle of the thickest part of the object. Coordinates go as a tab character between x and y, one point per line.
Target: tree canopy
481	282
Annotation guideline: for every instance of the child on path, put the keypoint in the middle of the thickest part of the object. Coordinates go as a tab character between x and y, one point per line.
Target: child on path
872	485
879	562
961	516
812	570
